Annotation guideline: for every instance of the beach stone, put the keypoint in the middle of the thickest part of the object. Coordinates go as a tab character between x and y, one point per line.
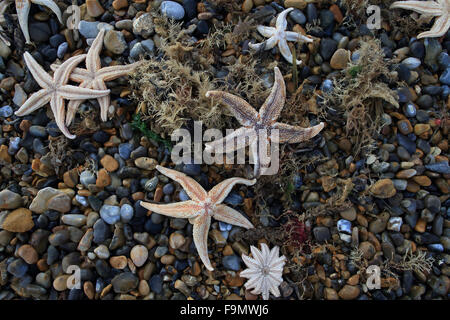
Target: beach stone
114	42
120	4
349	292
76	220
94	8
18	268
126	213
28	254
232	262
51	199
60	283
146	163
143	25
88	29
87	177
321	234
6	111
10	200
102	252
340	59
109	163
124	282
172	10
110	214
176	240
139	255
383	189
349	214
118	262
156	283
367	249
19	220
327	48
103	178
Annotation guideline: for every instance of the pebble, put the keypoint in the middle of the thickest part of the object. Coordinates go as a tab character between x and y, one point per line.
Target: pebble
76	220
51	199
10	200
110	214
114	42
383	189
232	262
6	111
172	10
139	255
124	282
19	220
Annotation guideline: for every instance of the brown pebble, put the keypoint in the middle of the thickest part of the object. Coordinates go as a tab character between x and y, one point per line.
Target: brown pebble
28	254
118	262
109	163
88	289
349	292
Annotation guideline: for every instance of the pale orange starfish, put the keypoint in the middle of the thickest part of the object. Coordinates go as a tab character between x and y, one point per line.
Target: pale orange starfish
201	208
94	77
438	8
55	90
253	123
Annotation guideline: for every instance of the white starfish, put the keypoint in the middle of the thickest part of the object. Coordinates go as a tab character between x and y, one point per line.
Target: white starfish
3	6
23	9
438	8
279	36
265	270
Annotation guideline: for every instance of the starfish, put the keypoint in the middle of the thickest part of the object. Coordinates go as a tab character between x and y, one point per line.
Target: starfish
438	8
253	122
279	36
23	9
94	77
55	90
201	208
265	270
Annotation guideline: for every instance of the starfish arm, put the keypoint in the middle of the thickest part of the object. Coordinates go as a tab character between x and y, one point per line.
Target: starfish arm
256	46
185	209
240	108
193	189
221	190
78	75
266	31
39	74
61	75
52	6
286	52
275	291
423	7
295	36
270	110
114	72
254	153
34	102
58	109
281	22
23	9
93	56
240	138
76	93
250	262
200	236
229	215
270	43
257	255
295	134
439	28
102	101
72	108
73	105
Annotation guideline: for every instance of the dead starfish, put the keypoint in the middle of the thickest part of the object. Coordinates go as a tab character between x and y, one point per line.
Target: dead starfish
201	208
94	77
55	90
279	36
23	9
252	122
438	8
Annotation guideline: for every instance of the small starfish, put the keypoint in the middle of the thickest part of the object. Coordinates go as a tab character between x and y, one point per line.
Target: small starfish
438	8
55	90
252	122
23	9
94	77
279	36
201	208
